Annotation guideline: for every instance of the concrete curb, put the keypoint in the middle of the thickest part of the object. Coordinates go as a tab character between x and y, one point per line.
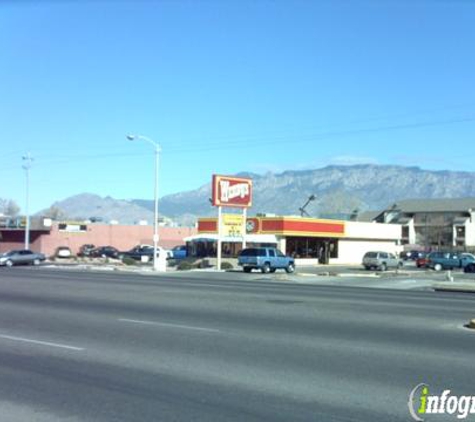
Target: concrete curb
453	287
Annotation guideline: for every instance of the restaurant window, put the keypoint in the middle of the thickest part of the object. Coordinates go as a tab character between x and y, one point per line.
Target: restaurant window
312	247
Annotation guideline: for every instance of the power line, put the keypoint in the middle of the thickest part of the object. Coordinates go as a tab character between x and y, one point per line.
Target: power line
250	141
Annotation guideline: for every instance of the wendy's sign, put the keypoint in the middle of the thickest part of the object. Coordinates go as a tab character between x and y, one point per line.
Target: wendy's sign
229	191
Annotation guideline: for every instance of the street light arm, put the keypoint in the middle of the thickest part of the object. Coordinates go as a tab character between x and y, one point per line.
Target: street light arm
144	138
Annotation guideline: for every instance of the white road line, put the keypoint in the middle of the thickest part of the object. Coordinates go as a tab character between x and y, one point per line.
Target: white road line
42	343
164	324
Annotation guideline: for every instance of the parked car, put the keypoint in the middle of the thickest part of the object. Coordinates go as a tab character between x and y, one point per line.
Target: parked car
468	255
381	261
105	252
63	252
21	257
265	259
144	250
422	261
449	260
160	249
138	252
85	250
411	255
179	252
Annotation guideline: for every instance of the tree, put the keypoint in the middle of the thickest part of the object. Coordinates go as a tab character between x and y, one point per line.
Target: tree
55	213
9	207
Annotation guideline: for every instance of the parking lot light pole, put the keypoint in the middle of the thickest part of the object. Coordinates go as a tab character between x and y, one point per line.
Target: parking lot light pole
27	160
155	217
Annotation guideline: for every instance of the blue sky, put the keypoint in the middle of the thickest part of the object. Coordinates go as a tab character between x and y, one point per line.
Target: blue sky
229	86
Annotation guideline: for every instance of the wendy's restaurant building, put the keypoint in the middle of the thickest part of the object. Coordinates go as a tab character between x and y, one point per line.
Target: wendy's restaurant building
309	240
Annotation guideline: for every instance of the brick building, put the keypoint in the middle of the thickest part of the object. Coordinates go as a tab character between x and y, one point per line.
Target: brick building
46	235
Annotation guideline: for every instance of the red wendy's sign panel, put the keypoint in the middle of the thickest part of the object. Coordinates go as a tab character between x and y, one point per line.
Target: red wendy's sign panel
229	191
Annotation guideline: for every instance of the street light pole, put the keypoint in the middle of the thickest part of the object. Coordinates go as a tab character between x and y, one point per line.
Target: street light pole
27	160
155	216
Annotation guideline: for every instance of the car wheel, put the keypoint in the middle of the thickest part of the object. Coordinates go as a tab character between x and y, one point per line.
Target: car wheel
9	263
383	267
36	261
290	268
265	268
438	267
247	269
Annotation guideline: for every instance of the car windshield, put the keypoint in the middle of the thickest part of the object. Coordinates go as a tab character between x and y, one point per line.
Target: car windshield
371	255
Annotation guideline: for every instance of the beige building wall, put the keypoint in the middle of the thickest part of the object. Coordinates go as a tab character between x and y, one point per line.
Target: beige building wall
378	231
470	232
352	251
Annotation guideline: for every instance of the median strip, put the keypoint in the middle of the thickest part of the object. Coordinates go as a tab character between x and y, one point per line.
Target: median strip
42	343
165	324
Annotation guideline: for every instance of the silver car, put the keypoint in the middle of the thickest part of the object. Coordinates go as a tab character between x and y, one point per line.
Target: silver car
21	257
381	261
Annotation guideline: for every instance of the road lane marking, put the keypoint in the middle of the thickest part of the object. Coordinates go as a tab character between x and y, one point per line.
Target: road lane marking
42	343
165	324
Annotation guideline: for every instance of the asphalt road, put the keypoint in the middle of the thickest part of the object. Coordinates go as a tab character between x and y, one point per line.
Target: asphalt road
125	347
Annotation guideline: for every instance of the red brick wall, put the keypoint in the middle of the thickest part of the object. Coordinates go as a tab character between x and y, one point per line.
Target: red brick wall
121	237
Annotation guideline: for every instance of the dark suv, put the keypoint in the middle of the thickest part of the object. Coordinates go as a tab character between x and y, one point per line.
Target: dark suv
265	259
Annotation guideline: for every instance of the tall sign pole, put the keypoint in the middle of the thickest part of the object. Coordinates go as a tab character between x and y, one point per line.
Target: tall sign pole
219	242
233	192
244	228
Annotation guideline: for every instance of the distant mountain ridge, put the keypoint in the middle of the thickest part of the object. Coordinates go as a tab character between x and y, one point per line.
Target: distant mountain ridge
337	189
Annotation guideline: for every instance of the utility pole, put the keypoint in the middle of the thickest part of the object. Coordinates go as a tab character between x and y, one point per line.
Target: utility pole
27	161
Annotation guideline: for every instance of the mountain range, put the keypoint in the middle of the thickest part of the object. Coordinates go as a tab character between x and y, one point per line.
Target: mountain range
337	190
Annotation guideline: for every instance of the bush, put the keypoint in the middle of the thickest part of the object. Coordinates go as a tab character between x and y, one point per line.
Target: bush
184	266
127	260
226	265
